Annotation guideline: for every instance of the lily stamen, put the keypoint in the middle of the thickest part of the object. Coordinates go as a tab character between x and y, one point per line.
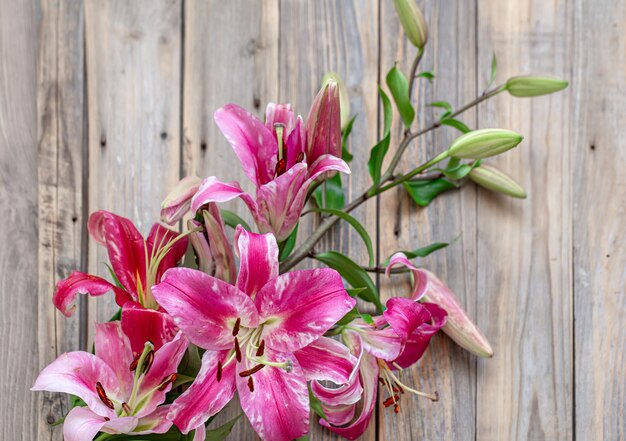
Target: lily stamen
236	327
237	350
103	396
261	350
251	384
167	380
218	374
252	371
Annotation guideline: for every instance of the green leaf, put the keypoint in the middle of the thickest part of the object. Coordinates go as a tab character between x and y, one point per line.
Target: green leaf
114	277
399	87
350	315
442	105
367	319
345	133
191	363
354	275
333	193
353	292
428	75
423	192
458	171
424	251
460	126
223	431
378	152
356	225
316	405
494	70
232	220
286	247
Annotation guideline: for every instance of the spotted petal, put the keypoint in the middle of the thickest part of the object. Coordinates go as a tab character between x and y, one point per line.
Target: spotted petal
81	424
258	260
113	347
300	306
326	359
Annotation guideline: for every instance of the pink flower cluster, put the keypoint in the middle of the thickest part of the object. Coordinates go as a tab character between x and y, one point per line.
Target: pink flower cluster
265	335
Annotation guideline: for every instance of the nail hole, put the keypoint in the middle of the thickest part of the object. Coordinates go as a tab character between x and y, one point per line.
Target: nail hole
203	146
256	102
608	255
74	219
592	146
163	135
50	419
103	141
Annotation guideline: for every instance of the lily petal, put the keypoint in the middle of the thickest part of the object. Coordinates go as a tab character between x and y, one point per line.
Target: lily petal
405	315
206	396
323	125
204	307
81	283
220	248
156	422
160	238
125	246
300	306
178	202
82	424
253	143
279	114
141	325
113	347
278	409
296	143
258	254
326	359
77	373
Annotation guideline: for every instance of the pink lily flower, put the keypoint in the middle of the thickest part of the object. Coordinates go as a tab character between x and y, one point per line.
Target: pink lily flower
123	389
138	264
459	327
282	158
263	337
395	340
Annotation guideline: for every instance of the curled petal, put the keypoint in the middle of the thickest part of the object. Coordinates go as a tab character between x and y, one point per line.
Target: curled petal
81	283
300	306
253	143
326	359
206	396
405	315
258	254
81	424
77	373
274	418
177	203
204	307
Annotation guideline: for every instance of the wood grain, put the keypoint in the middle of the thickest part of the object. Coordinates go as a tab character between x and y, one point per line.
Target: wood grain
134	101
450	54
525	392
599	218
231	56
27	339
342	36
62	177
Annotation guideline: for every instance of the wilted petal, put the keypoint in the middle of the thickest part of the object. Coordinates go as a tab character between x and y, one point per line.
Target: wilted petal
178	202
156	422
300	306
141	325
77	373
253	143
326	359
125	246
204	307
221	250
323	125
81	283
166	361
113	347
418	340
258	254
83	424
206	396
278	409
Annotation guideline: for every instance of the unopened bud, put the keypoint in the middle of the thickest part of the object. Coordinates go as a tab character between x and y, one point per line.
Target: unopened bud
412	21
484	143
496	180
526	86
178	201
323	125
344	99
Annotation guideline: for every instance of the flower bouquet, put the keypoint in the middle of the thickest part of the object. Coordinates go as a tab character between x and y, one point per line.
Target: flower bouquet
219	308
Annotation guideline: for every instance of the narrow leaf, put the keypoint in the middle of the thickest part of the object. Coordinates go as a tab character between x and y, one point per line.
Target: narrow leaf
367	319
458	171
459	125
378	152
345	133
494	70
351	315
399	87
442	105
232	220
356	225
353	274
316	405
424	251
286	247
428	75
423	192
223	431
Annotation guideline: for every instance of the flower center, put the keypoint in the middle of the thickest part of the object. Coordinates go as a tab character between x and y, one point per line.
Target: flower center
141	366
396	388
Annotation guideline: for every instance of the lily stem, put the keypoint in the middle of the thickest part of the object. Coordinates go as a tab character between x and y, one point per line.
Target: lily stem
303	250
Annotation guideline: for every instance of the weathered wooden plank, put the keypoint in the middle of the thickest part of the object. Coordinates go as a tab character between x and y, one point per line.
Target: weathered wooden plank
525	391
230	56
61	179
599	219
134	87
342	36
446	368
27	340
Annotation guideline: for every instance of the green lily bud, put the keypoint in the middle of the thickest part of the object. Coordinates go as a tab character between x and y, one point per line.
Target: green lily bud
526	86
344	99
412	21
484	143
496	180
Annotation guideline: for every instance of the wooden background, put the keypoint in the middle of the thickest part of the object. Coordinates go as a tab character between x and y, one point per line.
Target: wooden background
104	105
